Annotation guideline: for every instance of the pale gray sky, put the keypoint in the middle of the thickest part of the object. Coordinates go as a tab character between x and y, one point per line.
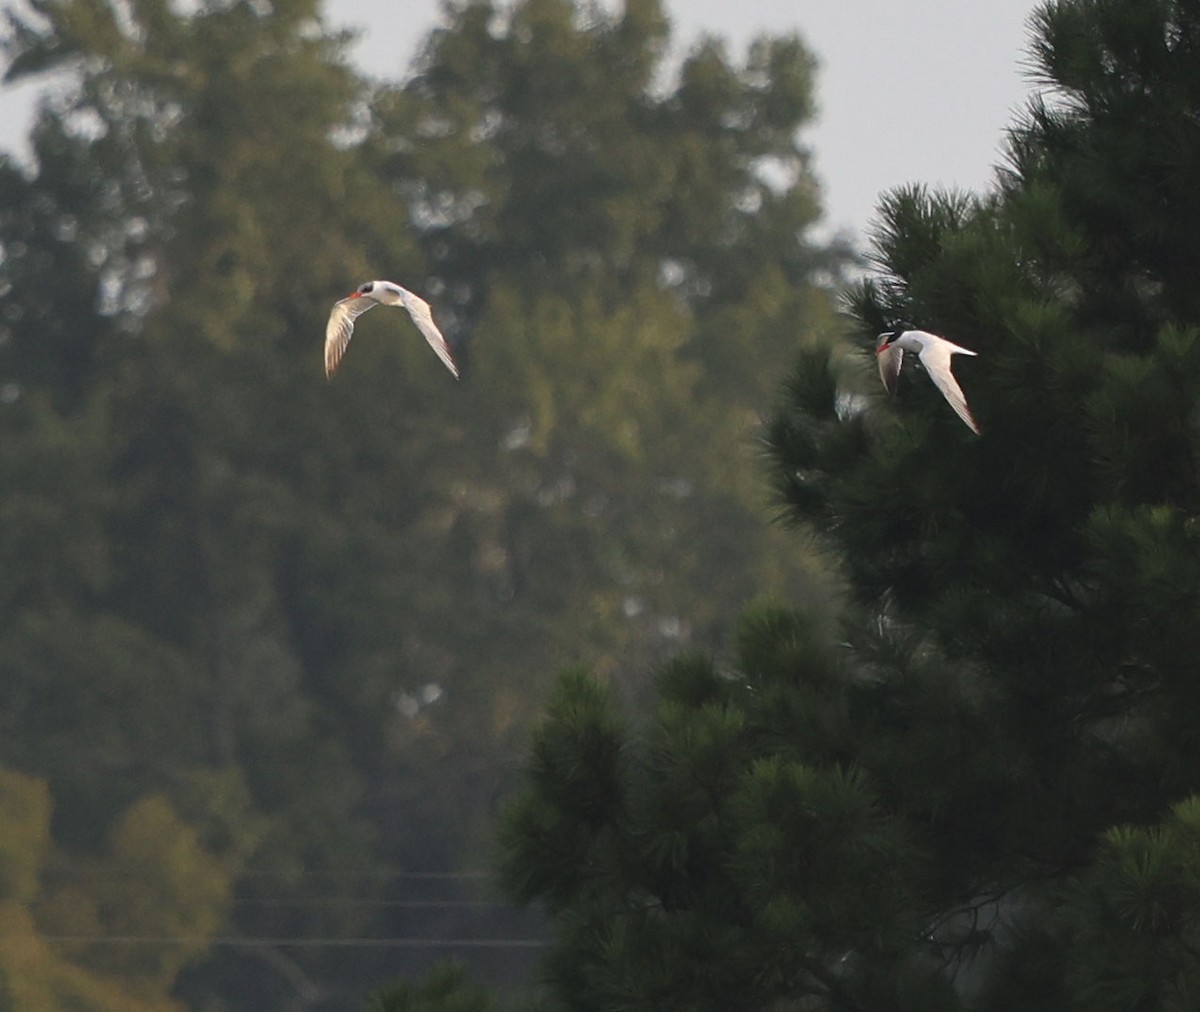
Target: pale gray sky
909	90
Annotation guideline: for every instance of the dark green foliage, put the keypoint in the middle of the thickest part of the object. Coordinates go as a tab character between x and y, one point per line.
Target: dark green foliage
722	858
981	792
577	766
1134	943
443	989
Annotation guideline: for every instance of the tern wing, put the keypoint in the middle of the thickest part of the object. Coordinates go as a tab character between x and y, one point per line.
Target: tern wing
890	361
422	316
340	329
935	357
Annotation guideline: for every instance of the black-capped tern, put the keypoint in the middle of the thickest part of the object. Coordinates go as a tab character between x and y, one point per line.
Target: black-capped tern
380	293
934	354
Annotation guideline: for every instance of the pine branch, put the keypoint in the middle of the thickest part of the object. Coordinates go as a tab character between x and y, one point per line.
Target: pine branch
834	989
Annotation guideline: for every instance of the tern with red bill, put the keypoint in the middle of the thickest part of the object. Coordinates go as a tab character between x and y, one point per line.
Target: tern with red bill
934	354
380	293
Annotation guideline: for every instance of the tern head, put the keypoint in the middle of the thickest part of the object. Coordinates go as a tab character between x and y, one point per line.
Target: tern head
884	340
361	290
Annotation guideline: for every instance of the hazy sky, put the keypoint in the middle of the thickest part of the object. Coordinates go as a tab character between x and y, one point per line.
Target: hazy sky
909	90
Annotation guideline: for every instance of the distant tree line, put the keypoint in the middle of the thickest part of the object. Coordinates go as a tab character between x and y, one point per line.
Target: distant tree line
268	641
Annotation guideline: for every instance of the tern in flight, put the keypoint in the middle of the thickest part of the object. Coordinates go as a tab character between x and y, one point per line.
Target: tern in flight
340	327
934	353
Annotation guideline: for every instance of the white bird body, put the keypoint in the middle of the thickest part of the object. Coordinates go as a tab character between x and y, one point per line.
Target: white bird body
934	354
340	327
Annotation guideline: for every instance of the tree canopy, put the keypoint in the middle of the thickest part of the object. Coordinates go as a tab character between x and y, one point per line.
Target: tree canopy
273	641
979	789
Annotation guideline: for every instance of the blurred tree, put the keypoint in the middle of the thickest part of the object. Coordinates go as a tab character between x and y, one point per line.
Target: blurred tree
26	833
981	792
35	971
158	882
312	618
623	253
192	167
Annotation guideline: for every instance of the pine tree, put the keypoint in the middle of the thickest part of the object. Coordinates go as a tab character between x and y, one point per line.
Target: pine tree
444	989
980	791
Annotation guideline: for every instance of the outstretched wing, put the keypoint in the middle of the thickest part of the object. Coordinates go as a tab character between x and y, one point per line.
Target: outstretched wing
890	359
935	357
422	316
340	329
